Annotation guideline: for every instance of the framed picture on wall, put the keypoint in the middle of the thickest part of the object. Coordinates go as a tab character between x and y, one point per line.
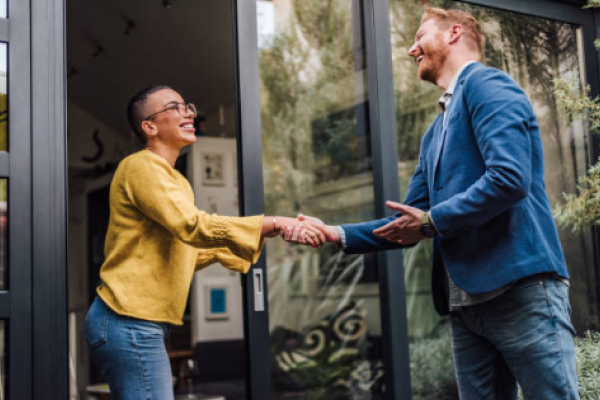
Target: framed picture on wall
216	302
213	169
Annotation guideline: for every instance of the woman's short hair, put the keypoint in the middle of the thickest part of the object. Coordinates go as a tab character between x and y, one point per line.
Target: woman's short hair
471	28
135	110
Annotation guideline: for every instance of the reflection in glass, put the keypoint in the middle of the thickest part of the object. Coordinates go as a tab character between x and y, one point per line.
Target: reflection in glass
3	96
323	305
534	52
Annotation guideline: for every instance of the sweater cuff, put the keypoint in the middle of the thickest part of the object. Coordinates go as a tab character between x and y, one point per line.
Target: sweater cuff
342	233
261	243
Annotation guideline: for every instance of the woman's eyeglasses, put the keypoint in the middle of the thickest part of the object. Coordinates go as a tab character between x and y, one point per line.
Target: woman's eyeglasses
182	108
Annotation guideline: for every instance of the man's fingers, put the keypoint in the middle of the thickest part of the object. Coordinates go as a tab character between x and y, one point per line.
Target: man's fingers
384	229
396	206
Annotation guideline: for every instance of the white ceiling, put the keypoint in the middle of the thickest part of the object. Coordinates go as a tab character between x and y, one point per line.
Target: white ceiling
188	47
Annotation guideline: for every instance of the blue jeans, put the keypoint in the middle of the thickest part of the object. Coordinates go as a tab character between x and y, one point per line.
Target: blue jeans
130	353
525	336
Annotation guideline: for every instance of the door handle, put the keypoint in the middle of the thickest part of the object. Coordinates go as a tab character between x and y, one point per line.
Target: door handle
259	293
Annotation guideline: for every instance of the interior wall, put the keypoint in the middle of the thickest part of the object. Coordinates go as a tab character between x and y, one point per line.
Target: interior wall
220	196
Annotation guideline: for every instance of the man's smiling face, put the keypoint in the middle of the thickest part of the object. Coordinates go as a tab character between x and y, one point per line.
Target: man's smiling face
430	51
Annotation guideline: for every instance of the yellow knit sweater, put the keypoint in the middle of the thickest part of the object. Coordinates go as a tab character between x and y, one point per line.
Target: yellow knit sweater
157	238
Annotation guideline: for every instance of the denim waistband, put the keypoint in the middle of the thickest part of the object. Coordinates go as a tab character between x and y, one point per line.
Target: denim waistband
164	325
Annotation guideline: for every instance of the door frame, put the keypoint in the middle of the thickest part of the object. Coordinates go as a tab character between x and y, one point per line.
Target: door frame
16	303
49	280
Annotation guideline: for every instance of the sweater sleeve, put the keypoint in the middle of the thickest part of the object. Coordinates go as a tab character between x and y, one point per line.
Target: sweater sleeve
152	187
225	257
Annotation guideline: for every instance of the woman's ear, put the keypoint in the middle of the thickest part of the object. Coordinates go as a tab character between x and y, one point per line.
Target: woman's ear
149	128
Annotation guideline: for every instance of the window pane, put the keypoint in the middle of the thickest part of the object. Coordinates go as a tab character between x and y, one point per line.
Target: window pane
3	97
534	52
3	8
323	305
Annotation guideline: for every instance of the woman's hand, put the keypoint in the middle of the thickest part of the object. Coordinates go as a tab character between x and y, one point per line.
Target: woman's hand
303	231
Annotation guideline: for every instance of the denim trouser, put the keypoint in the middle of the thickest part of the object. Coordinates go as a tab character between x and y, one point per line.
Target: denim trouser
525	336
131	354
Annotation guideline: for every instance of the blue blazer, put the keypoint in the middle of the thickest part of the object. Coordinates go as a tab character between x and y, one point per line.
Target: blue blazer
482	180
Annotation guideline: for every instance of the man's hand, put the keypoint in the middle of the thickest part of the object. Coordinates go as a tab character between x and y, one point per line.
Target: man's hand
404	230
294	234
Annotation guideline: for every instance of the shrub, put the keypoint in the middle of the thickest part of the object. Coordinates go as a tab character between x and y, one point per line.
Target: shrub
432	368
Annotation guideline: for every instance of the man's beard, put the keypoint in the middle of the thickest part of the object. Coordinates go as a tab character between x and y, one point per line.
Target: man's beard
436	58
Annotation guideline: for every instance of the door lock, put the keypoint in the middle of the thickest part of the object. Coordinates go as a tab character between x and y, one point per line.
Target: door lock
259	293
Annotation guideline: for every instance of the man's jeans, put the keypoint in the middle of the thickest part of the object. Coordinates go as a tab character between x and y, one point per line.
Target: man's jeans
524	335
131	354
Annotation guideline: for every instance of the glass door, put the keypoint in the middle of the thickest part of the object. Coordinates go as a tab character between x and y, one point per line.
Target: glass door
326	129
320	324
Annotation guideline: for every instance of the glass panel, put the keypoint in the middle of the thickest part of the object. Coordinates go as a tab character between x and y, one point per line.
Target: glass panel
534	64
3	8
323	305
3	96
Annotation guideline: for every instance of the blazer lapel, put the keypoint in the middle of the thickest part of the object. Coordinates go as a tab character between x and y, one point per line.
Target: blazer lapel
436	147
442	134
456	98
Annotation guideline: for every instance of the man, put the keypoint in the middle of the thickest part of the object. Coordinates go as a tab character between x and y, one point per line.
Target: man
479	192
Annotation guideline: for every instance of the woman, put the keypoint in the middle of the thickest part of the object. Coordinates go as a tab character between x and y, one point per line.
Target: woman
156	239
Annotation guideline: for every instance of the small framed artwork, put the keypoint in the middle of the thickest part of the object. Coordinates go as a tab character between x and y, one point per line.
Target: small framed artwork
216	302
213	169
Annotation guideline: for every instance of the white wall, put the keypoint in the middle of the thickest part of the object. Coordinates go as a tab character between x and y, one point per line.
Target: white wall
216	196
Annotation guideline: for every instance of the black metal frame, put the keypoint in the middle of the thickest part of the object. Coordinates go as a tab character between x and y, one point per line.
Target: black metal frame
49	201
16	166
382	113
249	140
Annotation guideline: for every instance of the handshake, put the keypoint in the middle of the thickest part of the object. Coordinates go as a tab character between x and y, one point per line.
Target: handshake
403	229
305	230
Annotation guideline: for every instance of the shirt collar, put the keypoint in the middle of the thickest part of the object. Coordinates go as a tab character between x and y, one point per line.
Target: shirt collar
445	98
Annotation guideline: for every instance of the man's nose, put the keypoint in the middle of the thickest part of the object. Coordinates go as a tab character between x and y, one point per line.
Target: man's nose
413	50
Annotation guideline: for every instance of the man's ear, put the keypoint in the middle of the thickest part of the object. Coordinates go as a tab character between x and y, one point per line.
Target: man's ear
149	128
456	31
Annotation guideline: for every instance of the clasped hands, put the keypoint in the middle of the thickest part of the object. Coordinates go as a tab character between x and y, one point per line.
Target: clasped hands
405	230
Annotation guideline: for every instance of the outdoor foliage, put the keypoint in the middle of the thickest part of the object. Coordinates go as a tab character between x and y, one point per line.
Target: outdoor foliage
587	352
583	209
432	368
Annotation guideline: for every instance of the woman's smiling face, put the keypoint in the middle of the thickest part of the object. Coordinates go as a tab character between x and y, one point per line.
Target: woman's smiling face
171	126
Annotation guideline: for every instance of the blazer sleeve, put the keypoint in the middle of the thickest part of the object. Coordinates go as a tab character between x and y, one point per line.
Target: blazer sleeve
501	116
360	238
